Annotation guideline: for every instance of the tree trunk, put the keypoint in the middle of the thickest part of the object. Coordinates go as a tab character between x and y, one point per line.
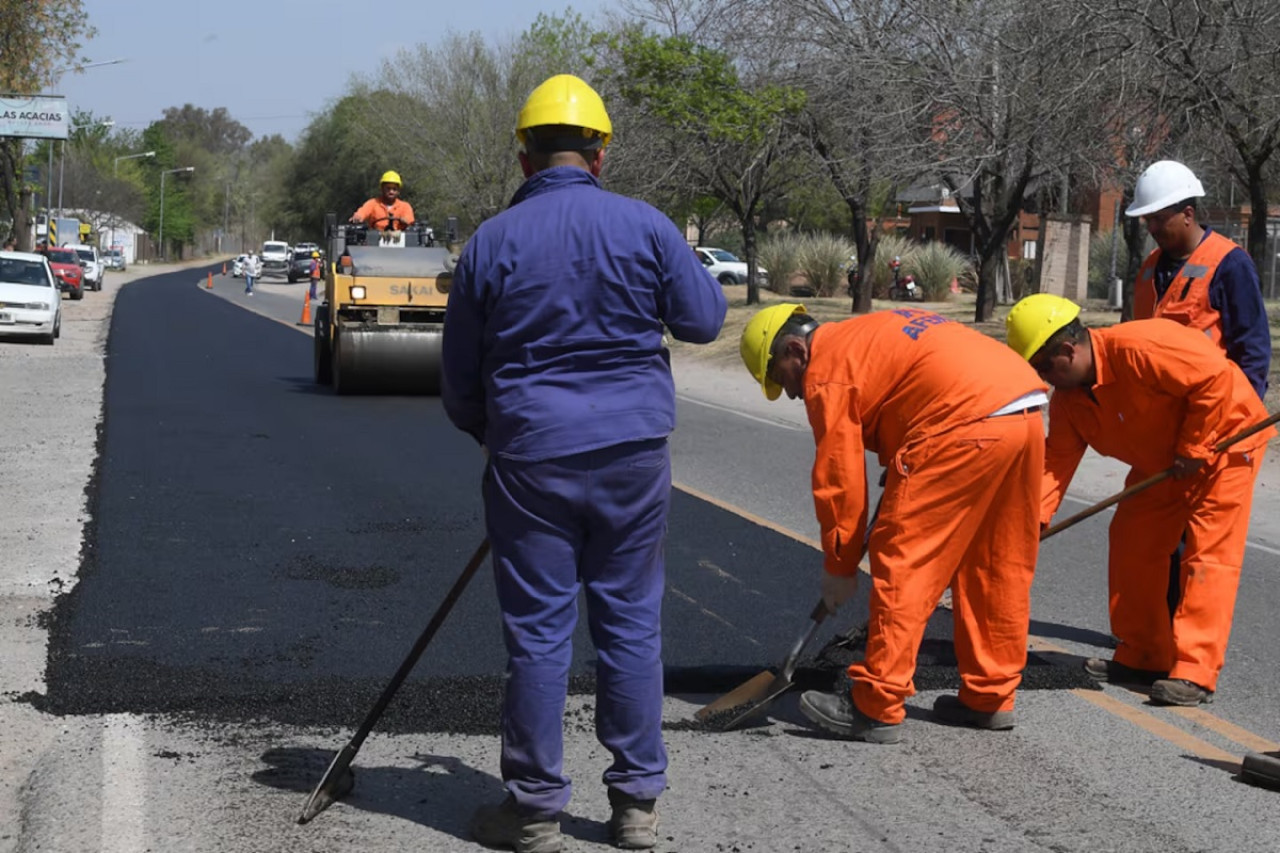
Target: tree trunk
990	264
859	287
1258	219
1135	234
749	249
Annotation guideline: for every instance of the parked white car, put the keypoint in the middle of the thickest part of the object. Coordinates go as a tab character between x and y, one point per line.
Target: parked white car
91	264
237	266
725	266
30	299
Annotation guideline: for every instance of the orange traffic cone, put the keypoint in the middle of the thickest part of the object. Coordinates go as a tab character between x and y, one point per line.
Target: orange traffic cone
306	311
209	285
224	268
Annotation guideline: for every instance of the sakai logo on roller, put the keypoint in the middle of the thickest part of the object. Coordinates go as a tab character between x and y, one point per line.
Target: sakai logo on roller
412	290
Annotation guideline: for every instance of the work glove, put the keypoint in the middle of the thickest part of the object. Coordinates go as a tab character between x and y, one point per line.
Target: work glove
837	589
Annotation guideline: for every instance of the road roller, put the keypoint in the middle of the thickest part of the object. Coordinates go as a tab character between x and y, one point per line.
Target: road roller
380	326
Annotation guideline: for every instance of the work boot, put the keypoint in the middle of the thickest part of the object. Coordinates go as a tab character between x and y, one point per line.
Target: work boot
836	713
634	823
950	710
1179	691
1102	669
503	825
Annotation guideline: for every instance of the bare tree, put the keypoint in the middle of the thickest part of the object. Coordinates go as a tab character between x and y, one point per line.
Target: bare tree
1013	89
861	113
1217	61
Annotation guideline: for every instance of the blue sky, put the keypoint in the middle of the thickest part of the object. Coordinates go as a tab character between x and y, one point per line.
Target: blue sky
273	64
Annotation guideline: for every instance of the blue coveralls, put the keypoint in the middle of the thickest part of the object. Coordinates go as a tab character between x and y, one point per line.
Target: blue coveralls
553	359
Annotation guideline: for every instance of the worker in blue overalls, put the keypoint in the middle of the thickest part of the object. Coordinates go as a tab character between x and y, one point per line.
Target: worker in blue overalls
553	358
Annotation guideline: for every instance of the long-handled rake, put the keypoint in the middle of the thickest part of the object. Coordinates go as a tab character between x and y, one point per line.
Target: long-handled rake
339	779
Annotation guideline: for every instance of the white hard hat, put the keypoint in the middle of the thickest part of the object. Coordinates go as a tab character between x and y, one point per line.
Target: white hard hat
1164	183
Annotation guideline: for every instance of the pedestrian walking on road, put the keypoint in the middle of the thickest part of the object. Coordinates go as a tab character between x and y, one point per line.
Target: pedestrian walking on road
553	359
314	272
955	420
1155	395
250	272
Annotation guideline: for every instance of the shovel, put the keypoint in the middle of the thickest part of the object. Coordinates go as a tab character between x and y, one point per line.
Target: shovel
339	779
760	691
757	693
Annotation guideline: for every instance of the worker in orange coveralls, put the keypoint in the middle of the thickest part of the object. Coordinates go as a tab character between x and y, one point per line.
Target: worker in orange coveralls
386	211
1155	395
955	419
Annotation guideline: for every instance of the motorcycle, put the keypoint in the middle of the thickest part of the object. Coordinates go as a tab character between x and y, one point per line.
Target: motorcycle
906	290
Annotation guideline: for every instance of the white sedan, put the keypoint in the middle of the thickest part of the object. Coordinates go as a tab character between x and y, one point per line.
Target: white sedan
30	301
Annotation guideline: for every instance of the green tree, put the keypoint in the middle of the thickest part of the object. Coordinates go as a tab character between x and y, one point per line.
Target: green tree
38	40
723	137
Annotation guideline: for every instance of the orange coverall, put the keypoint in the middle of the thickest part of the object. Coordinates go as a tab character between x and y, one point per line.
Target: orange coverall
1165	389
375	214
959	507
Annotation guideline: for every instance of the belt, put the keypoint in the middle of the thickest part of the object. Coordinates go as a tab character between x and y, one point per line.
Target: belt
1028	410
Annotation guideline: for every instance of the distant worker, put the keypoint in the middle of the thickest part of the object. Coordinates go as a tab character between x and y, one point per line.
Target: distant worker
1196	276
315	271
387	212
1155	395
250	272
553	359
955	420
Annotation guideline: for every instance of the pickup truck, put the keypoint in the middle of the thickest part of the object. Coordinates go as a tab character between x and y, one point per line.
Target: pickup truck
275	258
300	261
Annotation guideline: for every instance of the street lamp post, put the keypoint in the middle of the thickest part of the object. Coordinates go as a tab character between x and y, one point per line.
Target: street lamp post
115	173
162	174
115	169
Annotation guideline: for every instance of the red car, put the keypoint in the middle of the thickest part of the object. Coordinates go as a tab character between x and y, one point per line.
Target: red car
66	269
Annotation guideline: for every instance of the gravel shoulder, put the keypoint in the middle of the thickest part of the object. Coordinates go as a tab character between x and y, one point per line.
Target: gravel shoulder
50	420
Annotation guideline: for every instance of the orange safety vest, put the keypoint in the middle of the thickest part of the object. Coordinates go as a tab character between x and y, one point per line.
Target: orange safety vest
1186	301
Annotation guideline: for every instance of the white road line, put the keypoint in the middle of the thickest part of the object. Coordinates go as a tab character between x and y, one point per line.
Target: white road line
755	418
1257	545
124	785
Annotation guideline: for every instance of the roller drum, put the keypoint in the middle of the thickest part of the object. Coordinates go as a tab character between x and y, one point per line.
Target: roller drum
374	359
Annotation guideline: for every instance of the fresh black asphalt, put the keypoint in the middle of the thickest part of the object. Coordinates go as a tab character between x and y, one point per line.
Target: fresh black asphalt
262	548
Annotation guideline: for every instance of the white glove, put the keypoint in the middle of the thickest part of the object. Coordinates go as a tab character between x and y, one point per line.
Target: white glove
837	589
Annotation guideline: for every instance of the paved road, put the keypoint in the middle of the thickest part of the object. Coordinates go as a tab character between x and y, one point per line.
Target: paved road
260	556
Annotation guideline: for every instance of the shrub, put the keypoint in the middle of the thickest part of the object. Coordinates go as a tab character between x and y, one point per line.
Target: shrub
935	265
777	253
1100	263
823	259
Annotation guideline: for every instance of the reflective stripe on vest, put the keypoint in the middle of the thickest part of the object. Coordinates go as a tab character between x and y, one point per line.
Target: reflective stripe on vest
1186	301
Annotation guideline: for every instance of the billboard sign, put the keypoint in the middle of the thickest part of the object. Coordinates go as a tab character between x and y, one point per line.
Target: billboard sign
34	116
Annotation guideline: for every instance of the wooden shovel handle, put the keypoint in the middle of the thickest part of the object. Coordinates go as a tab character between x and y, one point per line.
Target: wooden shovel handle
1152	480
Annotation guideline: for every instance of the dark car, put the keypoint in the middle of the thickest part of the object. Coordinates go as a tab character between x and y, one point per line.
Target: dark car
300	261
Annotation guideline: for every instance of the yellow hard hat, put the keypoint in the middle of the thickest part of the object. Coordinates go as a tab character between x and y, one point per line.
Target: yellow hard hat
757	342
315	254
565	100
1035	318
390	177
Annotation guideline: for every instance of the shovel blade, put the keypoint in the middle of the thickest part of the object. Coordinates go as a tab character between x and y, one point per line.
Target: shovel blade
748	692
779	686
336	783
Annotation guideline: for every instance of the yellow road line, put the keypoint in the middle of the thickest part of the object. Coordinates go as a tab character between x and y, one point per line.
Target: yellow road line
1160	728
749	516
1199	716
1230	731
